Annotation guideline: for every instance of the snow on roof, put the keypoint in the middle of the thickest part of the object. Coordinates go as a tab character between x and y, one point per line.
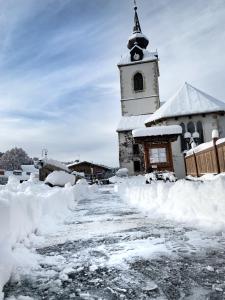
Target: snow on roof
29	168
157	130
55	163
187	101
132	122
148	56
137	35
87	162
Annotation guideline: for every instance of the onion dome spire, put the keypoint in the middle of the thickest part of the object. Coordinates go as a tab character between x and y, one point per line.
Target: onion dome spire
137	37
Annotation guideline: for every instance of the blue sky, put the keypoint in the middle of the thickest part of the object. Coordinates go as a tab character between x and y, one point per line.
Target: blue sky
59	83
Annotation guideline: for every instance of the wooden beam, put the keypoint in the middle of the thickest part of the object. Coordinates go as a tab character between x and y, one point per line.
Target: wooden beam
146	157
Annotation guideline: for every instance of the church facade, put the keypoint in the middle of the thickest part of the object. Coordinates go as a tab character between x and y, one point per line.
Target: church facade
196	112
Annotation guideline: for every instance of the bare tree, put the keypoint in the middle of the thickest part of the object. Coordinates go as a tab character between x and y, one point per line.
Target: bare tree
14	158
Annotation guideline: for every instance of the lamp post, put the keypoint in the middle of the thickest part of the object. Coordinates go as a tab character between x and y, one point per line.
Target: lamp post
191	140
187	138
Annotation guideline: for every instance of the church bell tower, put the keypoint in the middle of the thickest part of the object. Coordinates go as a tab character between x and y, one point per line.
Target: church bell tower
139	88
139	74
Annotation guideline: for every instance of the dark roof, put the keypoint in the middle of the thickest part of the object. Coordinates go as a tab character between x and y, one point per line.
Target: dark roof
89	163
137	38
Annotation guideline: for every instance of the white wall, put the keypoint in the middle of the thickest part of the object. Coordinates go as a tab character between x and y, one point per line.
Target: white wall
221	125
126	151
146	101
139	107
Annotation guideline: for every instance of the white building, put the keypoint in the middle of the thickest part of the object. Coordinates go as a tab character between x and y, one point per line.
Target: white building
195	111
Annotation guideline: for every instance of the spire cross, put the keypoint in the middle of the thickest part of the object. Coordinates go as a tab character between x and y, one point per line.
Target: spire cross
137	26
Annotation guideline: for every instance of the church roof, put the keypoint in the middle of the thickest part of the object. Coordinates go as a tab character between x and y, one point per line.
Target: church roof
148	56
128	123
187	101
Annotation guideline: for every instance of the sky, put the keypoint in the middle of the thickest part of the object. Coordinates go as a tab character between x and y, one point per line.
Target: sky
59	81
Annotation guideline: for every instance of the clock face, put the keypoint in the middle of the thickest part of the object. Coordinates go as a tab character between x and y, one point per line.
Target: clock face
136	56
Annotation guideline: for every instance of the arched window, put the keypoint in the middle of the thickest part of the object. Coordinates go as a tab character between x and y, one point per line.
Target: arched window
191	127
183	145
138	82
200	131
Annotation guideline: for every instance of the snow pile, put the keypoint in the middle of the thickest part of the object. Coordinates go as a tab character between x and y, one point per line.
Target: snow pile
166	176
197	203
128	181
123	172
78	174
121	175
30	208
60	178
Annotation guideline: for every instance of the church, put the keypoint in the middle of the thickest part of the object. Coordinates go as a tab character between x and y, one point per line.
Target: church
163	131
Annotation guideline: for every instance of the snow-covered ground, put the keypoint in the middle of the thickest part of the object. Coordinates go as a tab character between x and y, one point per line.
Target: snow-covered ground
88	243
105	248
29	210
197	203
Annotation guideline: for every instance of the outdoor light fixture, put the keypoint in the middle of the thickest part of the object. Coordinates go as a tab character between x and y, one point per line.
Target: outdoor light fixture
196	137
187	137
191	140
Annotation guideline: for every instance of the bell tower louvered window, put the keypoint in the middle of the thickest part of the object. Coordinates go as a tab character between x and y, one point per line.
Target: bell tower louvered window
138	82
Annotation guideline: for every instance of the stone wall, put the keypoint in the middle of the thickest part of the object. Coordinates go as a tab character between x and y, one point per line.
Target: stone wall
126	153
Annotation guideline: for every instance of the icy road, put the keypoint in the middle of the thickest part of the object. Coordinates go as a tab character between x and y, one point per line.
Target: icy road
109	250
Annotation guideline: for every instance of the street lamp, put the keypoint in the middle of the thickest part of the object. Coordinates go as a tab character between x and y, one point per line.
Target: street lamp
187	137
196	137
191	140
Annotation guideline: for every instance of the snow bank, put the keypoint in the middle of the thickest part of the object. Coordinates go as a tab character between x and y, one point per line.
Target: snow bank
60	178
29	208
197	203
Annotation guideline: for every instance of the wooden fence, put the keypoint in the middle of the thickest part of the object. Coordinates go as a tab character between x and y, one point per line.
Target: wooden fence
209	160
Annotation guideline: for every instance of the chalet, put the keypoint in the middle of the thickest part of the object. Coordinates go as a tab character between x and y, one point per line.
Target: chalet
91	170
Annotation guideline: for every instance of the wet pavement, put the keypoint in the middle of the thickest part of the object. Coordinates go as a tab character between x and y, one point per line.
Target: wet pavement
109	250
